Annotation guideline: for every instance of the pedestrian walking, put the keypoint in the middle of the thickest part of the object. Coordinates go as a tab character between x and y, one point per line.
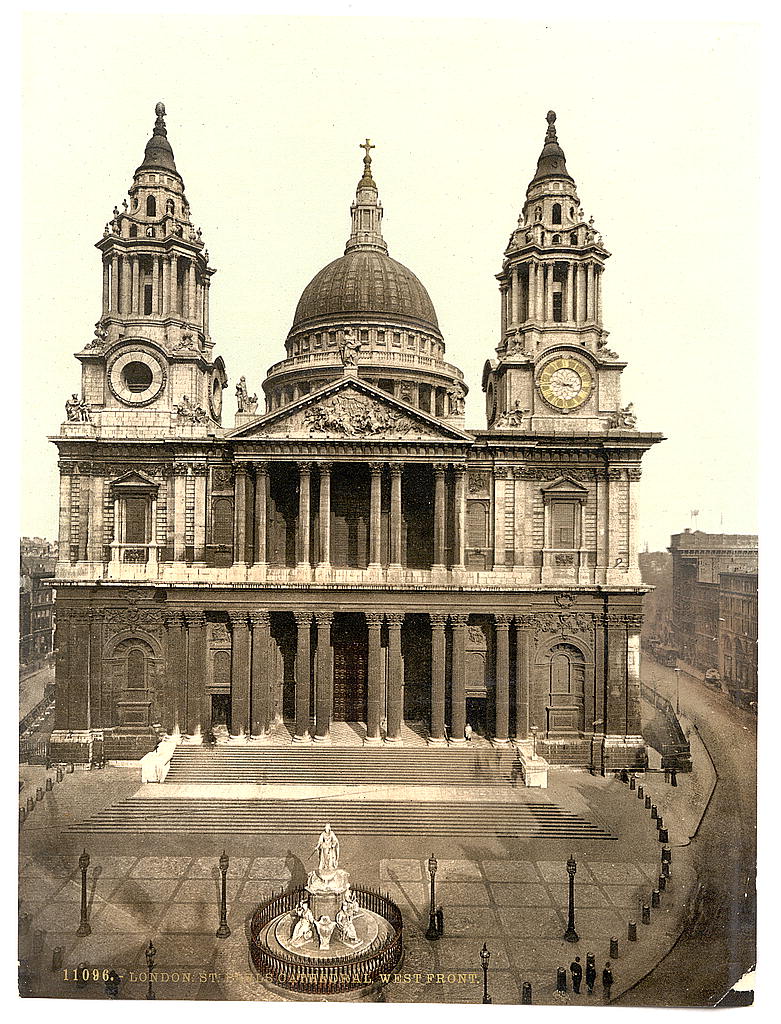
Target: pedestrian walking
577	975
591	974
468	732
673	776
607	981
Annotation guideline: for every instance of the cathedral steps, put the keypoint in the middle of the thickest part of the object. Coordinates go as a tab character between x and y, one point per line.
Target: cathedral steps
328	766
528	820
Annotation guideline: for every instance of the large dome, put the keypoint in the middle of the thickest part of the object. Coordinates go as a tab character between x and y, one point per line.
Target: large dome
365	281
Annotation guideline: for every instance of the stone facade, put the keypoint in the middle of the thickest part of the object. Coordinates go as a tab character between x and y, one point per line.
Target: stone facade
353	553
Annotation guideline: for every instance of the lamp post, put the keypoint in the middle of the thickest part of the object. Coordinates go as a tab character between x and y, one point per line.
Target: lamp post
84	927
150	953
485	957
677	690
224	931
433	931
571	935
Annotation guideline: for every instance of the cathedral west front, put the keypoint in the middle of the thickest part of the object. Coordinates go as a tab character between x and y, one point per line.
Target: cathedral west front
344	548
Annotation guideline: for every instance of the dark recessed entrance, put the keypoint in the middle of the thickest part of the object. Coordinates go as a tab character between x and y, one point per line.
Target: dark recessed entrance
221	710
350	650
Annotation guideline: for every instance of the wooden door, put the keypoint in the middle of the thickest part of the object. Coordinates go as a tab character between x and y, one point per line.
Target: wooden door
350	675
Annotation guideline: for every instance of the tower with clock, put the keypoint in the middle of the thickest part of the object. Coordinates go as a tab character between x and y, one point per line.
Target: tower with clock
553	371
149	365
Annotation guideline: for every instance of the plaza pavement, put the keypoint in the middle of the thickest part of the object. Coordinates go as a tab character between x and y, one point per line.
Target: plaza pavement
509	893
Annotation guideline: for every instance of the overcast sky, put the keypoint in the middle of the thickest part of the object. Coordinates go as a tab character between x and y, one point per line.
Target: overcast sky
659	123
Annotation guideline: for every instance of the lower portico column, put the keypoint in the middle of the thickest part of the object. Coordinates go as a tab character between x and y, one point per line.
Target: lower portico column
374	696
259	676
524	627
395	517
303	676
240	675
324	683
437	734
502	728
395	699
458	679
198	707
176	662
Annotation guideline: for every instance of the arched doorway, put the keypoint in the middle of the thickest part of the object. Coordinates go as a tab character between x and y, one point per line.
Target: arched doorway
564	713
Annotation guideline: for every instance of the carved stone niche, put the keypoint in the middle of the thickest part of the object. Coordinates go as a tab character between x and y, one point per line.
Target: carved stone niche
477	661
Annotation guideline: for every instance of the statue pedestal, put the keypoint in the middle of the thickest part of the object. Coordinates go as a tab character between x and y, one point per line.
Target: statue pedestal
326	894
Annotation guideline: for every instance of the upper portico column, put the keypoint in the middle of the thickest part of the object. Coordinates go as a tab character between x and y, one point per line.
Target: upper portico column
302	540
459	546
240	515
261	506
375	533
439	517
325	514
395	516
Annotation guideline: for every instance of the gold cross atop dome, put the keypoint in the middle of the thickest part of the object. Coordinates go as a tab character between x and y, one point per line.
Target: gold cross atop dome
367	161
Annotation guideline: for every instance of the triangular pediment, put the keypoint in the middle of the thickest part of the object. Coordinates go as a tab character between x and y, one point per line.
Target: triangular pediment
133	482
564	485
350	409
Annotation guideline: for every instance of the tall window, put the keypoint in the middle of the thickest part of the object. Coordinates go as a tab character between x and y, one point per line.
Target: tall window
151	206
135	520
557	213
558	314
563	521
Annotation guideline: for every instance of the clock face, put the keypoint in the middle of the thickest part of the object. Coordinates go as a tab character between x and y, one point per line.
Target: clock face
136	376
215	395
565	383
490	402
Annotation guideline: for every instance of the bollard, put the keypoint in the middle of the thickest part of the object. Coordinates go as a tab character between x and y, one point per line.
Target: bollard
654	812
70	768
561	979
39	793
526	994
666	868
661	885
663	835
82	974
656	898
659	822
22	815
631	931
647	802
632	782
614	947
667	854
58	954
49	786
60	775
646	914
640	792
30	804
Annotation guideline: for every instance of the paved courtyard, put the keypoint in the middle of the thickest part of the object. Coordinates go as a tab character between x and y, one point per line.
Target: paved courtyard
509	893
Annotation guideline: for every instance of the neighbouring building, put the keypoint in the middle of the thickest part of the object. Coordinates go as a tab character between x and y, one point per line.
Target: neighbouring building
703	565
38	559
656	570
352	552
738	614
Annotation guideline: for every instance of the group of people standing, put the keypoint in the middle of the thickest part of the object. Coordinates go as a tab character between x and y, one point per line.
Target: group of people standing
576	970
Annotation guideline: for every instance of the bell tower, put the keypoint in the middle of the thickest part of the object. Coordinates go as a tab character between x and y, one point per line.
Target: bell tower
149	364
553	370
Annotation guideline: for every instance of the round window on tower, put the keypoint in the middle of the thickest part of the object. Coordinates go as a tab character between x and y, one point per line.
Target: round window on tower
137	377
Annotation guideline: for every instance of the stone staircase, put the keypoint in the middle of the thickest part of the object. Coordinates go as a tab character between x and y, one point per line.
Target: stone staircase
335	766
465	818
